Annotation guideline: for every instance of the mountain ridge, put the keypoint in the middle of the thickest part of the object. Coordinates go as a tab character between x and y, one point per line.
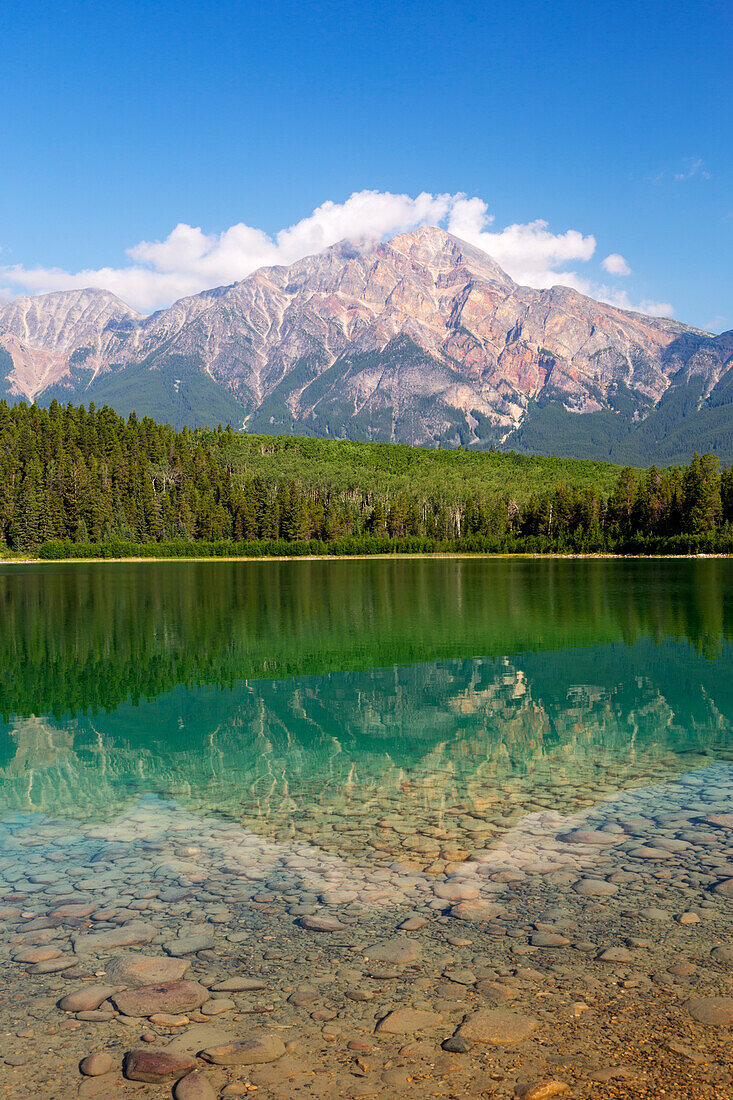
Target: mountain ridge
422	339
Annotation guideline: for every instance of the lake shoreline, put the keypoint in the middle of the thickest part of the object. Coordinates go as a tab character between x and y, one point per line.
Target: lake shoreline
367	557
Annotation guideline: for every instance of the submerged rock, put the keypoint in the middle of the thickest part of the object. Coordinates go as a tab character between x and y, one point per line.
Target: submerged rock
408	1021
711	1011
497	1027
170	997
251	1051
397	949
156	1066
137	970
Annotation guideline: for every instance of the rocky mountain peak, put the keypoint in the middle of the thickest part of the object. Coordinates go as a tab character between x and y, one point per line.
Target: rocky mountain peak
421	339
436	250
64	320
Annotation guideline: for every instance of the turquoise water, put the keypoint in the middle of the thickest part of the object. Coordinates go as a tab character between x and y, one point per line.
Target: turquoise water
280	694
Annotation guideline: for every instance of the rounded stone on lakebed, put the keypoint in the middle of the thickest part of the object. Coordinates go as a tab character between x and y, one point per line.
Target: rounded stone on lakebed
497	1027
96	1065
154	1066
397	949
251	1051
595	888
457	891
194	1086
322	923
477	911
238	985
54	966
173	997
169	1019
407	1021
711	1011
217	1005
87	999
137	970
723	954
595	838
548	939
37	954
615	955
188	945
544	1090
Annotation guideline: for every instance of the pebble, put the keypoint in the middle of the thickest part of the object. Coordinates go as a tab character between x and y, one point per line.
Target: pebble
156	1066
136	970
548	939
615	955
711	1011
238	985
595	888
476	912
407	1021
217	1005
96	1065
188	945
543	1090
456	1045
723	954
53	966
255	1049
460	975
37	954
95	943
87	999
174	997
397	949
320	923
194	1086
496	1027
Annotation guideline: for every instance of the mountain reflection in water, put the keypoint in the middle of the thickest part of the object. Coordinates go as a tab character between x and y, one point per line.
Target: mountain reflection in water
319	698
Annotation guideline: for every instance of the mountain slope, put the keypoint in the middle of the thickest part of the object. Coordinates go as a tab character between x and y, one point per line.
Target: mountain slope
423	339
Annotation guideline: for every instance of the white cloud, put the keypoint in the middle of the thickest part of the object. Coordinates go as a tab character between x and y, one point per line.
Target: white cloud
693	167
188	260
621	300
530	253
615	264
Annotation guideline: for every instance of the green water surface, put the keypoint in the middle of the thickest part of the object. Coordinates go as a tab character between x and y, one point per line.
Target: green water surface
282	693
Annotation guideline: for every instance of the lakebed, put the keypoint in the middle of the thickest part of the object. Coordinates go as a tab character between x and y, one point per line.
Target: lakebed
375	828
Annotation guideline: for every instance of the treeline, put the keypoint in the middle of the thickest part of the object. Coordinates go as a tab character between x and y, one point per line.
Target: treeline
82	482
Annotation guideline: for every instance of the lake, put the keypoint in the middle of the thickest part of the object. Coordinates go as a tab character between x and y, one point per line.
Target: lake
434	827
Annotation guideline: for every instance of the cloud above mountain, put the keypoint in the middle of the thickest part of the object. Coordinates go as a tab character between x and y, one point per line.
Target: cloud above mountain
188	260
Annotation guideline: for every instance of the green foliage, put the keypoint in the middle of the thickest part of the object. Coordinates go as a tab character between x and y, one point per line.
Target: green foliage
175	391
85	482
683	422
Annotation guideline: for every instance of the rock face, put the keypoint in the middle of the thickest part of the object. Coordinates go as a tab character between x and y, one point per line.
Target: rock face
423	339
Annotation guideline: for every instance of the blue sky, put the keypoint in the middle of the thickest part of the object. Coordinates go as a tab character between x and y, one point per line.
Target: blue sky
610	120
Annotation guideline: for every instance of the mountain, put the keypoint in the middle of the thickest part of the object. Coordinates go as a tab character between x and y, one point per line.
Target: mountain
423	339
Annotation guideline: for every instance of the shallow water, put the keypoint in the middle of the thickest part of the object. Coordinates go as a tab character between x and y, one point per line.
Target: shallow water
511	752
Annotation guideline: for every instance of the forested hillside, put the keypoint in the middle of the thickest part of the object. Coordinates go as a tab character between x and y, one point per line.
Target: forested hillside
76	481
